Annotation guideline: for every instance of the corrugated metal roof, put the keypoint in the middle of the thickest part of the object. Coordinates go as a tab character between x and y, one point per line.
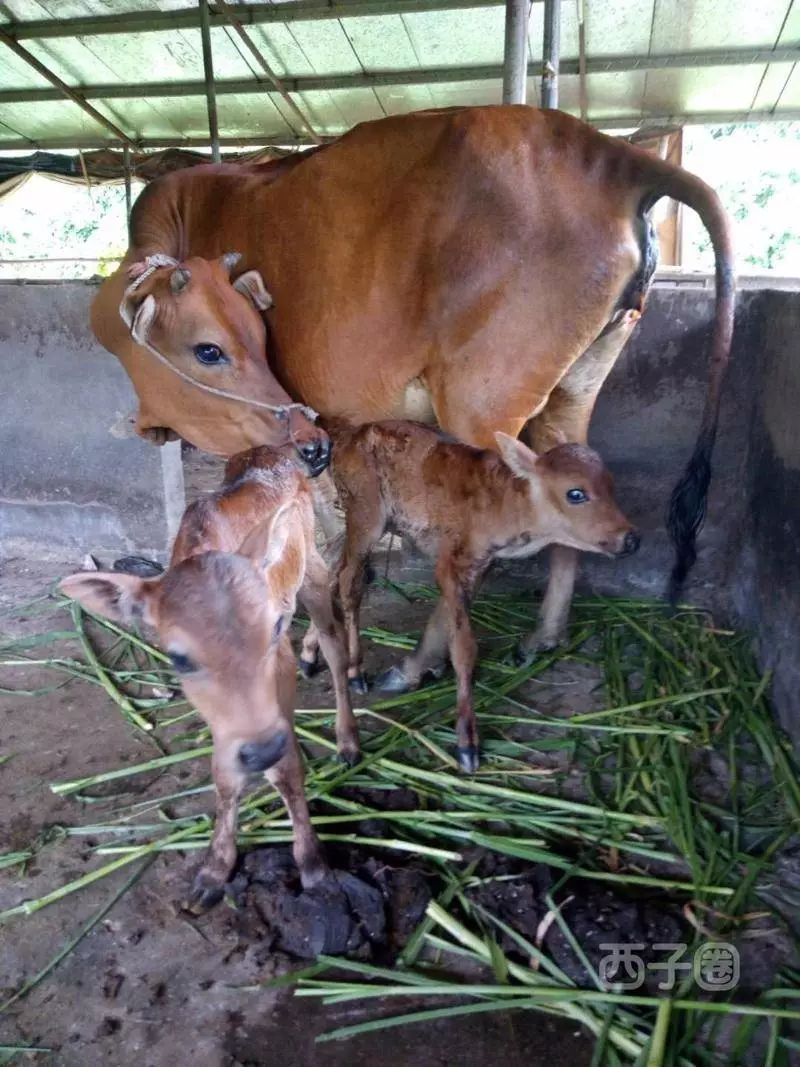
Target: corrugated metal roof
685	60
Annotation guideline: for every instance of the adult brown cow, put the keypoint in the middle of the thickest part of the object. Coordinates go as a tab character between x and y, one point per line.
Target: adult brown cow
481	266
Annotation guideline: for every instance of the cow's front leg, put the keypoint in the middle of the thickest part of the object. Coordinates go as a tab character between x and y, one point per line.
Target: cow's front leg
210	880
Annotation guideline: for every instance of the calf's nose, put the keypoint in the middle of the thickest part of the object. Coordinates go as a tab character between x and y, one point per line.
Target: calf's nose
315	454
256	756
630	543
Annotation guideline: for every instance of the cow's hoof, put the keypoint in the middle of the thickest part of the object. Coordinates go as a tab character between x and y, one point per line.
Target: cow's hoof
206	894
358	685
308	667
350	757
392	681
468	758
529	647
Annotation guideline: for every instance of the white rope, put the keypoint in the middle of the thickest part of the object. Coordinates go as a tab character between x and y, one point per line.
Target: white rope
156	262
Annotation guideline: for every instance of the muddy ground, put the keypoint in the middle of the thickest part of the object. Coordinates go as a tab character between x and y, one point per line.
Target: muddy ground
150	985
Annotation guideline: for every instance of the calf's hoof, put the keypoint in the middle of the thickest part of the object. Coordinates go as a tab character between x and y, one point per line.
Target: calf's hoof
392	681
308	667
206	893
349	755
468	758
358	685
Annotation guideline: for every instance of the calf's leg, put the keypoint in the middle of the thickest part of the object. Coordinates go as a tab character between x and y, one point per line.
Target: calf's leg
209	883
364	530
288	777
457	584
429	657
315	594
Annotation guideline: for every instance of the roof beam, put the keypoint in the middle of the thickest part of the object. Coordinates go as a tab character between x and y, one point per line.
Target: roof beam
251	15
387	79
610	122
63	89
233	17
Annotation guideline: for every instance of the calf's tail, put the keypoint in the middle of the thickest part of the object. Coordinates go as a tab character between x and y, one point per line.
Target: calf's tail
687	507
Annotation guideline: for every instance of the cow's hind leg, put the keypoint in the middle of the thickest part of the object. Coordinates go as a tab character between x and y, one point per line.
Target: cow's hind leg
568	412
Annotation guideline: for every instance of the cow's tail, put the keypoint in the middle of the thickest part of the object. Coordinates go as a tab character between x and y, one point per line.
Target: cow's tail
687	508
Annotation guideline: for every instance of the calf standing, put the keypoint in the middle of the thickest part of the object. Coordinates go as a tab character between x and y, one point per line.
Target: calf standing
464	507
222	613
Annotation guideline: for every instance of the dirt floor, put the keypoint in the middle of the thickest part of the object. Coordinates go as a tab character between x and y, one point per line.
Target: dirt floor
150	985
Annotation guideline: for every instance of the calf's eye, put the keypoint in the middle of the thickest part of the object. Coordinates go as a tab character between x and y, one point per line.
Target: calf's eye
576	496
208	354
181	663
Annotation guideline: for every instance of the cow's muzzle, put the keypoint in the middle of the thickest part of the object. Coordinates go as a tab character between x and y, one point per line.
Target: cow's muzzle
315	454
630	544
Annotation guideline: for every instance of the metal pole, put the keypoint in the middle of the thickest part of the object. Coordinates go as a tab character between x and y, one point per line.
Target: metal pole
551	53
583	96
126	160
63	88
515	56
208	71
231	16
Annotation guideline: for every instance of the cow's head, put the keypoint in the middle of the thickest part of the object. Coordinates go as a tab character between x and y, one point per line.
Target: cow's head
209	327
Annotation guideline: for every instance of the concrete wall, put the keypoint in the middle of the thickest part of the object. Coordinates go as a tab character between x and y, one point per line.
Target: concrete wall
65	477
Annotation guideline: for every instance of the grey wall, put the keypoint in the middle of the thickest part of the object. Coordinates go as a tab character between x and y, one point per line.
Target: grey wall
65	478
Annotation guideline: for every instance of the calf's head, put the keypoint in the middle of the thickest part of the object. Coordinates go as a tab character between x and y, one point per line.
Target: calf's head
572	493
223	619
210	328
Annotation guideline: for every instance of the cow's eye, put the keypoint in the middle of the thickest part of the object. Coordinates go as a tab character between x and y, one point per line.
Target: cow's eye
576	496
181	663
278	630
209	354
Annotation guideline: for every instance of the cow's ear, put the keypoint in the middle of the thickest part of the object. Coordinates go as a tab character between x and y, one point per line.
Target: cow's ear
138	319
251	285
121	597
516	455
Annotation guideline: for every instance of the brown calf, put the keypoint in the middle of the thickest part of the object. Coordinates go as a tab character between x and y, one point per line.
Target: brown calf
222	612
463	507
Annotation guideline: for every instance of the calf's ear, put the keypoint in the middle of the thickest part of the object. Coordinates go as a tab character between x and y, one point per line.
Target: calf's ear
121	597
251	285
516	455
278	547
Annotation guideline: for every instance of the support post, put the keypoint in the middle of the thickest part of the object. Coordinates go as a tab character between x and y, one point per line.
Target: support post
515	58
583	96
208	73
126	160
551	53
